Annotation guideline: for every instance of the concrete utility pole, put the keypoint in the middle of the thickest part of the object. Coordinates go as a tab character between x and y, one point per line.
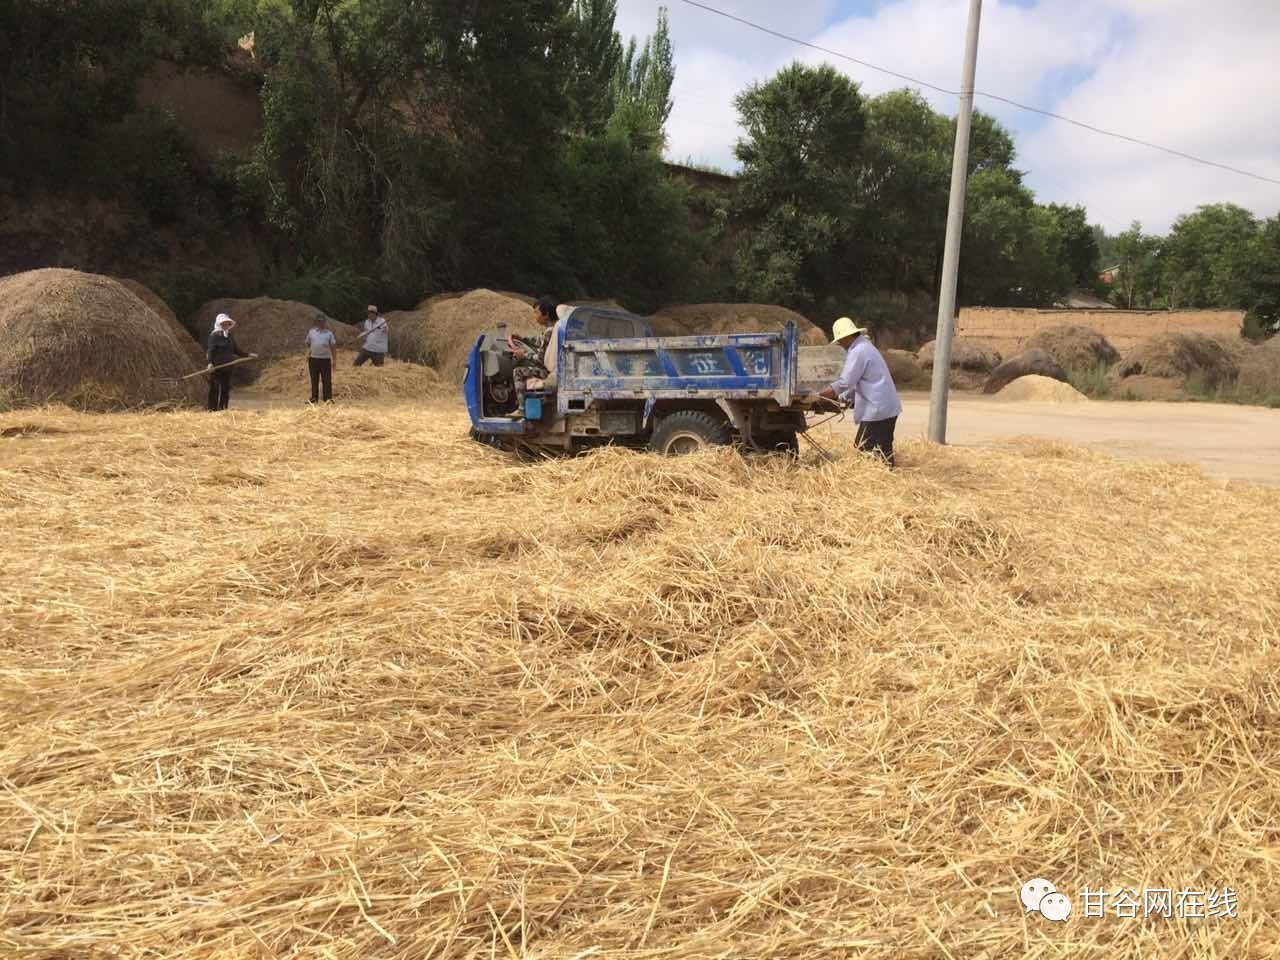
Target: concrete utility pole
955	221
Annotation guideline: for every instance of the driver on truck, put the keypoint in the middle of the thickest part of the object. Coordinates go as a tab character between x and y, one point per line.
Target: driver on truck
532	361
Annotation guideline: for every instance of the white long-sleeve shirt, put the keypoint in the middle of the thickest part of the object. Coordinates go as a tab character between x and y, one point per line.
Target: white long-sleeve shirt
866	381
376	341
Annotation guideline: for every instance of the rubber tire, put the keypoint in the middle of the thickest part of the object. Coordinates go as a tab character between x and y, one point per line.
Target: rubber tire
710	431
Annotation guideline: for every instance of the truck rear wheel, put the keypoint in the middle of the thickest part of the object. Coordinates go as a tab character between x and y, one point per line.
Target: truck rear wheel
687	431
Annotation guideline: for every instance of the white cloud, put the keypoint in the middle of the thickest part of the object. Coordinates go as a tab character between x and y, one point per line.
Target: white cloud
1202	85
1169	71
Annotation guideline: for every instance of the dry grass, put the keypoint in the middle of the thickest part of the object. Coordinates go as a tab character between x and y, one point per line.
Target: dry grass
1038	389
392	381
966	355
85	340
162	310
341	683
1074	346
905	369
1179	356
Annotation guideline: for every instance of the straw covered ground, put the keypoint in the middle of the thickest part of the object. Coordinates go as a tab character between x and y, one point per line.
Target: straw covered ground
393	380
342	683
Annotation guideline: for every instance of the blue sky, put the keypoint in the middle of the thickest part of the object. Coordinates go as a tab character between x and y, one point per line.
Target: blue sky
1159	70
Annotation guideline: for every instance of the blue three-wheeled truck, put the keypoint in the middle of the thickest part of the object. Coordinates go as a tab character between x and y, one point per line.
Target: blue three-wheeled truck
613	381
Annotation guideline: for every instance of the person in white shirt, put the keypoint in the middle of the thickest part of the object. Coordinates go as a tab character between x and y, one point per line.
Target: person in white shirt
376	338
322	354
866	382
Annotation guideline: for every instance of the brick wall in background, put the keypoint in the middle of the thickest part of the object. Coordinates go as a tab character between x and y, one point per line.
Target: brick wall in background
1006	328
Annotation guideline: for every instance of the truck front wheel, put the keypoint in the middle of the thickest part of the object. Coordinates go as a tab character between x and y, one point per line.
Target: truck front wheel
688	430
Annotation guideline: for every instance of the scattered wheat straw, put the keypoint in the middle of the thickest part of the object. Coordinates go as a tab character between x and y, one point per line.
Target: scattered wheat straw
342	683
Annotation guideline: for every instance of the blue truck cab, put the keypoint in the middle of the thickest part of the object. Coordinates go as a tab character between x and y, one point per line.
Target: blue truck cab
613	382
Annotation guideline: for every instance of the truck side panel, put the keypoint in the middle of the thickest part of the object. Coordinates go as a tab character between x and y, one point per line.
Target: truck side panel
737	366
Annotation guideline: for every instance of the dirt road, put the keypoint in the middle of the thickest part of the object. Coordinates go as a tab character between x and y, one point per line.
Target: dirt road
1227	440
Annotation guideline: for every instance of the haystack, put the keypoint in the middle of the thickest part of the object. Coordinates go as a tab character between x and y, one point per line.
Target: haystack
444	328
270	328
85	340
1073	346
162	310
393	381
965	355
1177	356
1260	371
1034	388
699	319
1237	347
1032	362
905	368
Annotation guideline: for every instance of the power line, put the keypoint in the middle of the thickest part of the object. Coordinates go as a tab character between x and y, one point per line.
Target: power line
981	93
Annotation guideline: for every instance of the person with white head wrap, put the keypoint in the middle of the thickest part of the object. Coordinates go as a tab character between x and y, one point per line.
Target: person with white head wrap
222	350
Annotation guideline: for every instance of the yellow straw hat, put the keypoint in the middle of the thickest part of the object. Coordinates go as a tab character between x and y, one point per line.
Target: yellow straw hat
844	327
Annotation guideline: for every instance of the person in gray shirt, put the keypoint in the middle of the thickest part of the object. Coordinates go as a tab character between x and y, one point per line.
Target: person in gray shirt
322	351
376	338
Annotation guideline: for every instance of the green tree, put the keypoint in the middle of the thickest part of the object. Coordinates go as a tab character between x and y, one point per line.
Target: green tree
417	143
593	64
1137	282
628	230
1012	248
642	89
798	191
1210	258
1106	246
69	71
903	193
1265	287
1079	245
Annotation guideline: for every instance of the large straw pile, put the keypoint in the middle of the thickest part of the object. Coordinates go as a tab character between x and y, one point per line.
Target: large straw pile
965	355
270	328
190	347
1259	370
394	380
720	318
1257	366
85	340
1074	346
905	369
1179	356
342	683
444	328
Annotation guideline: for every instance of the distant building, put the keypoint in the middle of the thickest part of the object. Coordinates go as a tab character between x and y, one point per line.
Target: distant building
1110	275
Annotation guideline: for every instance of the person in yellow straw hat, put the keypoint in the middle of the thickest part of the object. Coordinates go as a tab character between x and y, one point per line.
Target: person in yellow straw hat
866	382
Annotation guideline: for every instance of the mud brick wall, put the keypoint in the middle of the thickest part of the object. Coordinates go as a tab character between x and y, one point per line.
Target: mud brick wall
1007	328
